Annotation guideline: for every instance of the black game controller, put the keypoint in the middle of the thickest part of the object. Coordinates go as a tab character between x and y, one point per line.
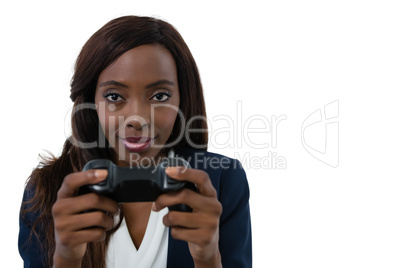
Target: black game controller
138	184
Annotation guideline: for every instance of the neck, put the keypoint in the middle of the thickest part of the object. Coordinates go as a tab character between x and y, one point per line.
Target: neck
149	161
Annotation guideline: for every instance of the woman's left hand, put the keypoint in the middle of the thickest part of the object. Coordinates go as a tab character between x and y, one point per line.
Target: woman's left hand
200	228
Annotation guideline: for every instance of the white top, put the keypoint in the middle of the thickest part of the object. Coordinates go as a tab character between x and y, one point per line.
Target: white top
121	251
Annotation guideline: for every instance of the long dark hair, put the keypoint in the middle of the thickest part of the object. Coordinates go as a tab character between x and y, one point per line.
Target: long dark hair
101	50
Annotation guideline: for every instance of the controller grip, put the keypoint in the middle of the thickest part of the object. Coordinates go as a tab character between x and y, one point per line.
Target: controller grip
181	208
184	207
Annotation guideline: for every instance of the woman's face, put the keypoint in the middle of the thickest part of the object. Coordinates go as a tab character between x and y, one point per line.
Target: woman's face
137	99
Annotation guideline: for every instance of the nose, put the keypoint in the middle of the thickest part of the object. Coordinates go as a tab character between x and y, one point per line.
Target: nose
136	122
137	116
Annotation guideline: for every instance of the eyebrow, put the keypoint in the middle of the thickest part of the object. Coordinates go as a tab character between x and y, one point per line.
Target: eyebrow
159	83
154	84
112	83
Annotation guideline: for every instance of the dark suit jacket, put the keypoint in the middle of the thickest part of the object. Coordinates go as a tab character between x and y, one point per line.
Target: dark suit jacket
230	182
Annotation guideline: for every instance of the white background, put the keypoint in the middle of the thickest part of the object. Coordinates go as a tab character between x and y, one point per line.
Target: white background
273	58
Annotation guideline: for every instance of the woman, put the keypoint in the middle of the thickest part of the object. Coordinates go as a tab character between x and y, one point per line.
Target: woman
137	95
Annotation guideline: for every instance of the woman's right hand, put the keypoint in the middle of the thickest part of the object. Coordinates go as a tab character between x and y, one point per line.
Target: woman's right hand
74	229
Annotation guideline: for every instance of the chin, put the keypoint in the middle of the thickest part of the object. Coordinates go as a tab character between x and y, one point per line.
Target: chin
149	157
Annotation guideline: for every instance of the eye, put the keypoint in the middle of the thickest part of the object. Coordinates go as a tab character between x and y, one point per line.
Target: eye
113	97
161	97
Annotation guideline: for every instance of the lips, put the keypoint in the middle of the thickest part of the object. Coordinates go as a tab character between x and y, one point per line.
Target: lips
137	139
136	144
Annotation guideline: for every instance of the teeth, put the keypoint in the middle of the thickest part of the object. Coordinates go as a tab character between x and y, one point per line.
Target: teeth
133	146
137	140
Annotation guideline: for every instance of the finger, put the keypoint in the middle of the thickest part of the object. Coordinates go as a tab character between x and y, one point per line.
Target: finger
83	236
91	201
75	180
198	237
190	220
93	219
196	176
83	221
194	200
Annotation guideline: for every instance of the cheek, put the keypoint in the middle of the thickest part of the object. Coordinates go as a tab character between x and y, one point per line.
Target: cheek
164	120
105	119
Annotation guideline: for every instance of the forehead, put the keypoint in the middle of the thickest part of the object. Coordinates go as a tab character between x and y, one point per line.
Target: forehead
145	63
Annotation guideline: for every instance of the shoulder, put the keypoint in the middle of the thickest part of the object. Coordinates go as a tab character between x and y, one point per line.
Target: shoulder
226	174
208	161
29	237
